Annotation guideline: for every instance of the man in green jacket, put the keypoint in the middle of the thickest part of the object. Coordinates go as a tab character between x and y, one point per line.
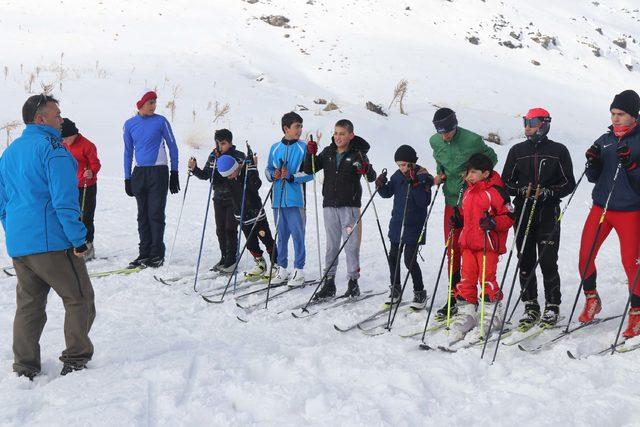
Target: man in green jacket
452	146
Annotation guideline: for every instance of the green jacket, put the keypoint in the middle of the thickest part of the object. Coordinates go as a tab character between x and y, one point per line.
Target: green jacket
451	159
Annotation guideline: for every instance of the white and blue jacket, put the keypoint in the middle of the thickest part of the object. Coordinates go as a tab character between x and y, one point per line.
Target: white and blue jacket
289	154
146	136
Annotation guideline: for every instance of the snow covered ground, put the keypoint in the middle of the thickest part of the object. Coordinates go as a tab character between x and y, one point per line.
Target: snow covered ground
163	356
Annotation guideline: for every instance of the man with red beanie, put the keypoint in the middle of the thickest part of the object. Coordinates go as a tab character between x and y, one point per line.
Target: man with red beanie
145	136
452	146
612	164
86	154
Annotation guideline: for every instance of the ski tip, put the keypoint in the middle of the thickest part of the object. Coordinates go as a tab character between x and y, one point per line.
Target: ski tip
424	346
522	348
571	356
212	301
242	320
339	329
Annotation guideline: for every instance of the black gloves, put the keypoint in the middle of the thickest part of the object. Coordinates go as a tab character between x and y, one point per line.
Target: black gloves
174	183
487	223
593	154
624	156
455	220
127	187
381	180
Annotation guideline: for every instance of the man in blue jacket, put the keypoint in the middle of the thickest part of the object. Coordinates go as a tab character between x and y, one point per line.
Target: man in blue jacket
145	135
40	214
284	166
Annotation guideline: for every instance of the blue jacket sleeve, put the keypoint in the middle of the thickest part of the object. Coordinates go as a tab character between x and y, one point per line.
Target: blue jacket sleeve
61	174
167	134
387	191
268	171
128	151
3	203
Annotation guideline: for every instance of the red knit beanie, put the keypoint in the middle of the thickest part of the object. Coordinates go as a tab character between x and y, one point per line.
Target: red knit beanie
147	96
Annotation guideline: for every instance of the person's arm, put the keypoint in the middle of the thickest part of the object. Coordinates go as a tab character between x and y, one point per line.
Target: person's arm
387	190
503	214
61	176
167	134
91	154
253	178
318	162
510	174
269	170
128	151
594	167
567	182
3	203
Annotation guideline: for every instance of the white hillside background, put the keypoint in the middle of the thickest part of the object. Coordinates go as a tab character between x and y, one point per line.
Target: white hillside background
163	357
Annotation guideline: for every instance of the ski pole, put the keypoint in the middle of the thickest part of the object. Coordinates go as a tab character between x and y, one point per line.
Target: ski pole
275	236
396	270
626	308
414	257
435	288
483	277
204	225
247	162
544	249
506	268
527	230
335	258
315	205
84	196
175	237
451	261
593	246
375	211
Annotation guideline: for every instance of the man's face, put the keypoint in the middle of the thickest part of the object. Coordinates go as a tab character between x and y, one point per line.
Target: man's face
224	146
293	132
148	108
529	131
50	116
475	175
448	136
620	118
342	137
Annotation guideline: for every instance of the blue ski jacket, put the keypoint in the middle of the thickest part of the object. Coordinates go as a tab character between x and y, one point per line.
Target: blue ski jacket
289	154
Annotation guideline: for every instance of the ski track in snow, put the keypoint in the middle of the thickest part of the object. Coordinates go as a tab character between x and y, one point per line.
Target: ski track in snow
165	357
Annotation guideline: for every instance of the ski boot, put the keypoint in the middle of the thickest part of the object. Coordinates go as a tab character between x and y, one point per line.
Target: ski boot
297	278
139	262
394	295
328	289
633	328
67	368
419	300
353	290
258	270
463	322
218	265
550	316
280	275
483	328
441	314
592	306
154	262
530	317
227	268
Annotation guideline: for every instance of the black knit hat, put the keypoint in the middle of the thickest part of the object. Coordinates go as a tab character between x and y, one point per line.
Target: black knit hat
627	101
445	120
405	153
68	128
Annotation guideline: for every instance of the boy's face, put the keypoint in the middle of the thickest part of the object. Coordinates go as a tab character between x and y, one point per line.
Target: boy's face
404	166
224	146
293	132
342	137
620	118
448	136
475	175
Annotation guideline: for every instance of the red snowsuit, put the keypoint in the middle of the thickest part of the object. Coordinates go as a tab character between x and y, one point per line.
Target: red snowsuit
487	196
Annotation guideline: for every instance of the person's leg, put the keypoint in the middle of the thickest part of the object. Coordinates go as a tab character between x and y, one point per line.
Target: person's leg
467	288
30	318
528	258
252	240
455	242
157	201
283	236
231	233
627	226
89	211
491	286
264	234
140	191
348	218
414	269
589	274
219	213
548	247
394	276
296	222
333	234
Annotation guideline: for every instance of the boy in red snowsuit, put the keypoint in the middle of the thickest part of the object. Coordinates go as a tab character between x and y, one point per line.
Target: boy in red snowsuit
485	219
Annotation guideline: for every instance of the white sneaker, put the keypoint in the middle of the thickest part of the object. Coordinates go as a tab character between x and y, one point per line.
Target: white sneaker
280	276
297	279
463	322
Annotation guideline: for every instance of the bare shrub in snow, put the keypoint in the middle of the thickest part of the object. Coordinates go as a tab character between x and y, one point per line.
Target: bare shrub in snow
10	127
28	86
398	95
171	105
375	108
220	111
47	88
331	107
493	137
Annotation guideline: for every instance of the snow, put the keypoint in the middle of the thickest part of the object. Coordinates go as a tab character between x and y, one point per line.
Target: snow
163	356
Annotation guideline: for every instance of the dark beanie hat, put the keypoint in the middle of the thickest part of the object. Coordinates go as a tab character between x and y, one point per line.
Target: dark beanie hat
68	128
405	153
445	120
627	101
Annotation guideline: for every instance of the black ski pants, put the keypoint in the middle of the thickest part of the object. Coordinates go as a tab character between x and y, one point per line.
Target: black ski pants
88	209
539	238
150	185
226	229
263	233
416	273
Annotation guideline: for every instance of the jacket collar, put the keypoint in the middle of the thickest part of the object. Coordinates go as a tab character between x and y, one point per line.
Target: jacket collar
33	129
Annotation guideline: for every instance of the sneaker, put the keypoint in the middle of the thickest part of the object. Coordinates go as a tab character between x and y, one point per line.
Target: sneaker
218	265
353	289
227	268
138	262
71	367
297	278
280	275
394	295
550	316
441	314
592	306
633	328
328	289
489	307
530	317
419	300
90	253
154	262
258	269
464	320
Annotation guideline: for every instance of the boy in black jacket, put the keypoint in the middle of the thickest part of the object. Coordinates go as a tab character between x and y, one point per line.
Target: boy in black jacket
539	161
344	161
226	224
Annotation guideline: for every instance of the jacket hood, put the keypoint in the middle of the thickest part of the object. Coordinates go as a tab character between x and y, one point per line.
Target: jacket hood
357	144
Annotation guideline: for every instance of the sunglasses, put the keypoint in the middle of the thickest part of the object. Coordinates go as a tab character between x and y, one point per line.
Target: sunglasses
42	99
535	122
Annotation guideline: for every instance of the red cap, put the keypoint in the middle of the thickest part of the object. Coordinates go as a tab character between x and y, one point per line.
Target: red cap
537	112
147	96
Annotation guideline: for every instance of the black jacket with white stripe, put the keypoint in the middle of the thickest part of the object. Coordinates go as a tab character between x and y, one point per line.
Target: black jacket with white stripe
546	162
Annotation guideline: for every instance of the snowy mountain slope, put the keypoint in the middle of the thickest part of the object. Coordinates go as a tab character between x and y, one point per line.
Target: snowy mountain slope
163	357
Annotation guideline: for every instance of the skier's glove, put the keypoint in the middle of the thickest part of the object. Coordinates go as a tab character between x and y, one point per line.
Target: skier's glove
624	155
312	147
487	223
381	180
361	168
593	154
174	182
80	250
522	191
411	177
546	193
456	220
127	188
